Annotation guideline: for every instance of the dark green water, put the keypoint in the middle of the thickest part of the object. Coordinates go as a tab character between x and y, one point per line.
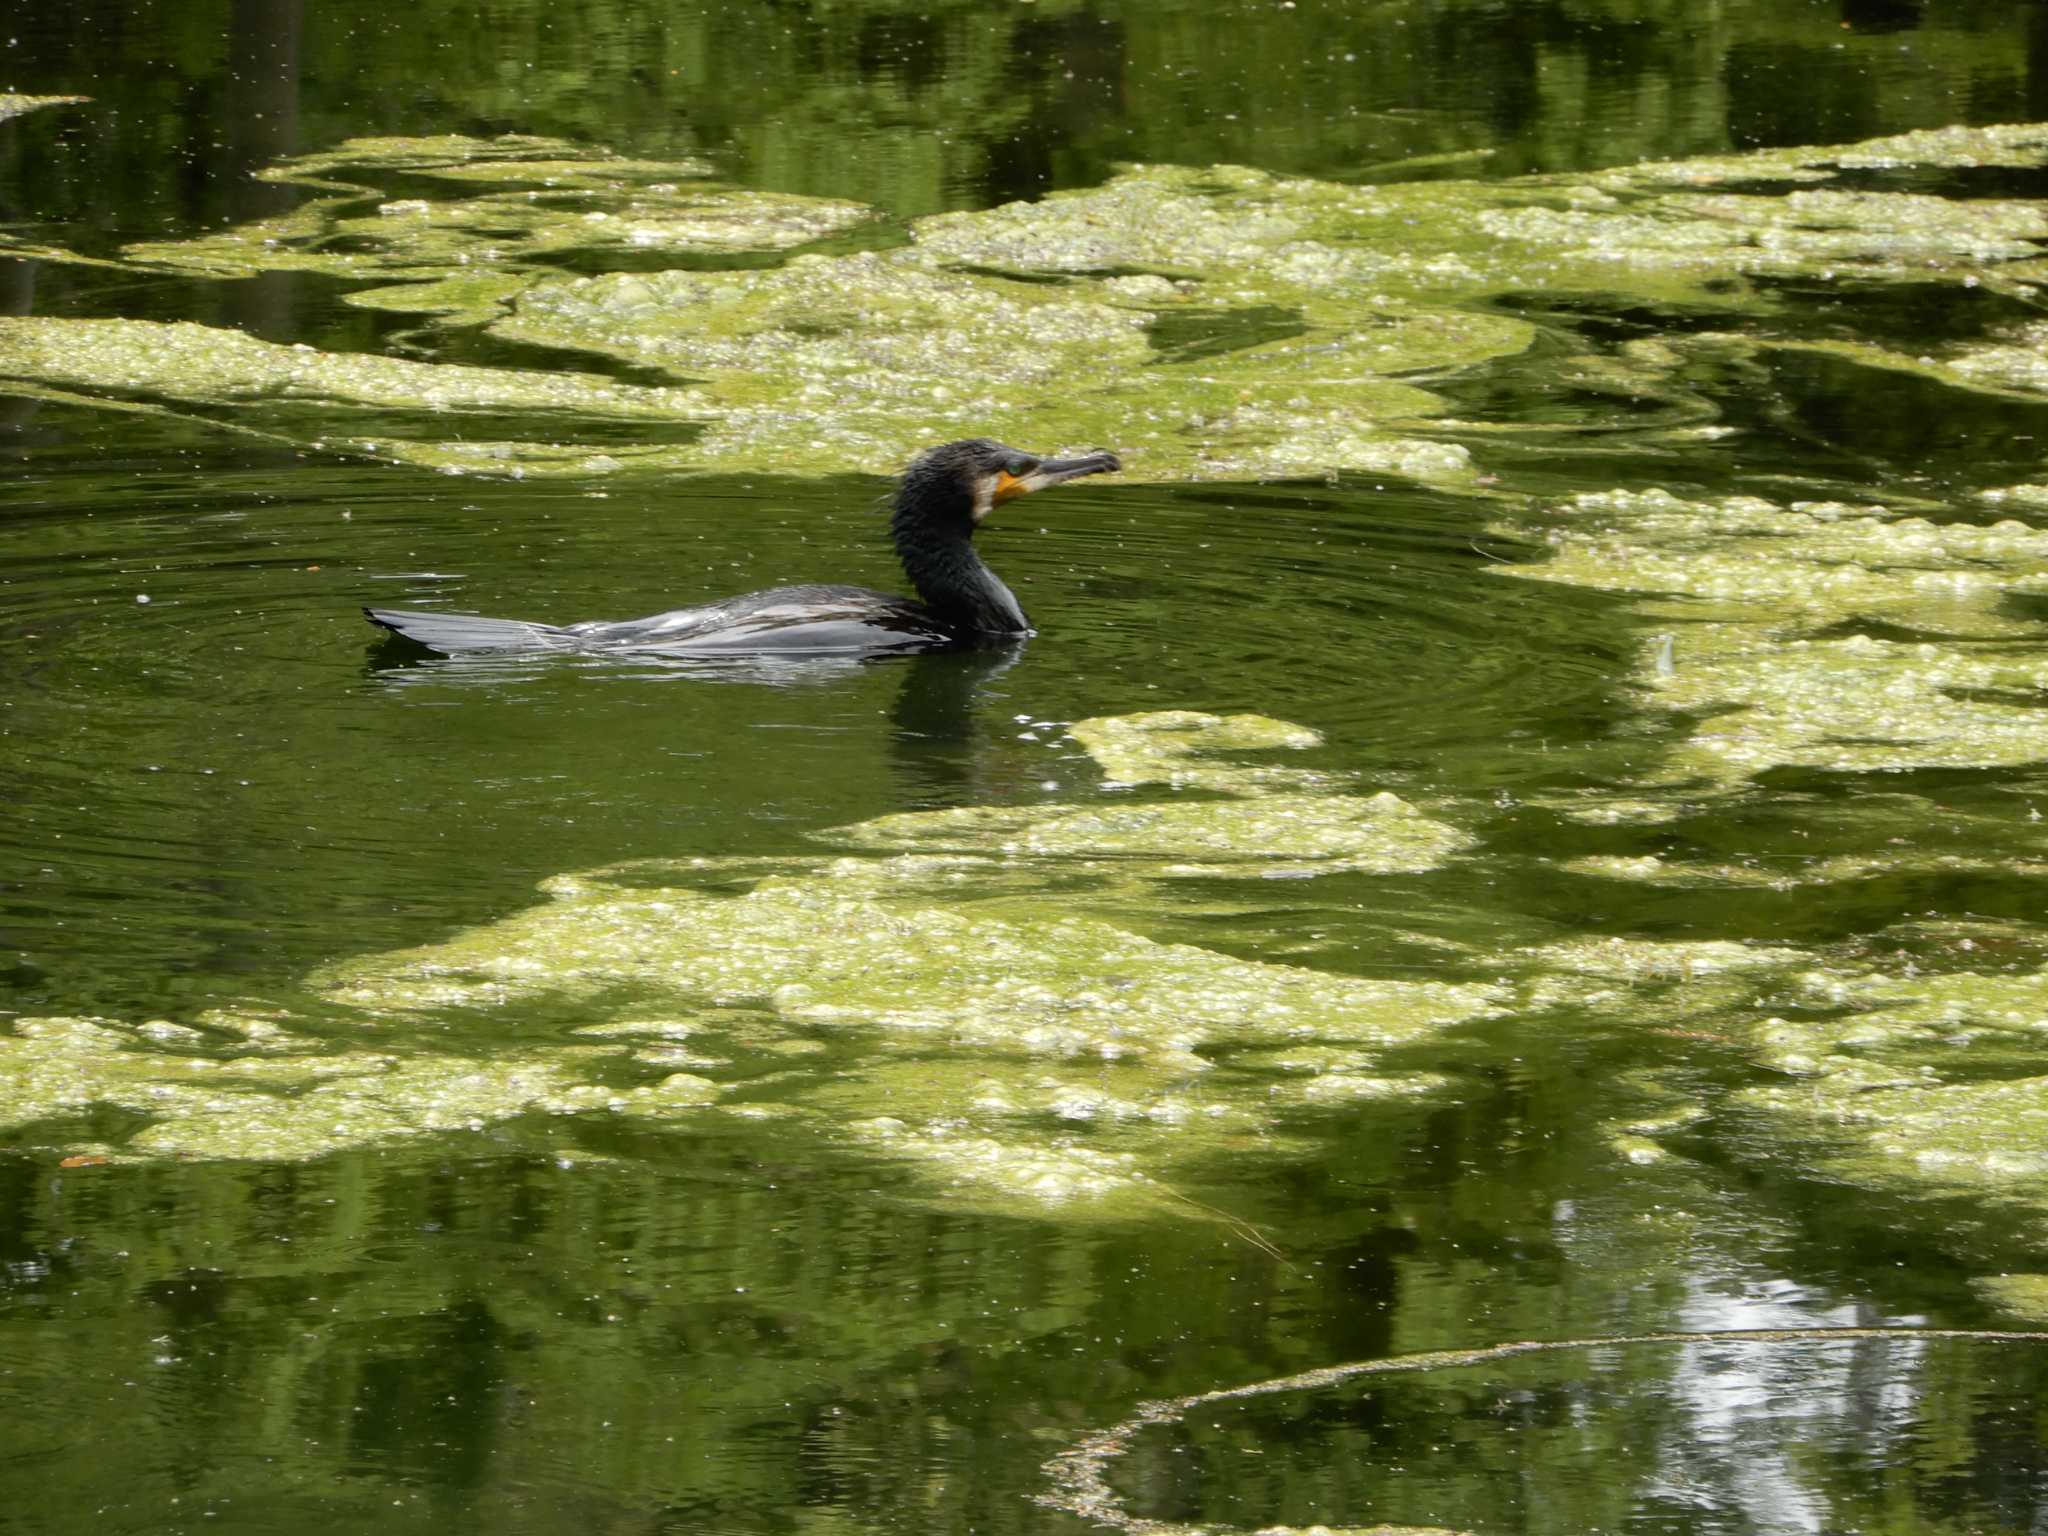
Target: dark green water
863	1287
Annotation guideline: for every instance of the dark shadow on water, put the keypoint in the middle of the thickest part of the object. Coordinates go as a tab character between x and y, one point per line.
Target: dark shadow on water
935	723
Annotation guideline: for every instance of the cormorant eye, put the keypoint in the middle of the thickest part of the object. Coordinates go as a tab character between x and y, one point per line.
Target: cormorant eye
1016	469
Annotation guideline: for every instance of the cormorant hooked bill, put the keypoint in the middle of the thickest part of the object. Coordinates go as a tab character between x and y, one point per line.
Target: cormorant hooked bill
940	500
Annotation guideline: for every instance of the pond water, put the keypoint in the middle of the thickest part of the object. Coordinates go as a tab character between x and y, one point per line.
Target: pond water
1483	971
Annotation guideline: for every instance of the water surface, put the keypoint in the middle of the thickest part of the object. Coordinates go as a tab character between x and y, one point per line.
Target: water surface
1522	820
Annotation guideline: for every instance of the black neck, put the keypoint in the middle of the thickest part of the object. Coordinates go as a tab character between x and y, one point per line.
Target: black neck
953	580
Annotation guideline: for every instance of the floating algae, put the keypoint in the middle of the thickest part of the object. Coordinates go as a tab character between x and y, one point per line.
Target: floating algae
2023	1297
1999	144
1760	656
936	1007
1275	834
410	411
1894	236
1010	1053
509	205
1276	830
13	104
516	159
1809	564
1859	704
1692	988
278	1096
421	237
1021	1029
1784	873
862	358
1061	987
1215	322
1923	1083
1179	747
1659	961
2034	497
1976	1140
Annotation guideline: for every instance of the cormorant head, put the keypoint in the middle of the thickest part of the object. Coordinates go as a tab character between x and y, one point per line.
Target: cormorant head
965	481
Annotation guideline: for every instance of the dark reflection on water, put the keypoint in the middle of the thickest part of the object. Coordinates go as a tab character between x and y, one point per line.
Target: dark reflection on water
727	1324
970	104
1788	1436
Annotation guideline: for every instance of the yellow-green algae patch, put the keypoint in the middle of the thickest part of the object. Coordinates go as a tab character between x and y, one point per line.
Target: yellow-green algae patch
1216	322
971	1032
1253	238
940	1008
992	1172
1758	597
1784	872
2030	495
1179	746
1889	235
2011	362
1927	1083
1857	704
512	158
13	104
2023	1297
1810	563
1660	960
1293	821
278	1096
1693	986
502	231
420	407
863	358
1968	1139
1639	1140
510	204
1275	833
1996	144
469	298
819	957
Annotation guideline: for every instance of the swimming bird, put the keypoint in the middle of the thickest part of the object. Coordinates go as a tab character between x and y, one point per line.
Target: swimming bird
940	500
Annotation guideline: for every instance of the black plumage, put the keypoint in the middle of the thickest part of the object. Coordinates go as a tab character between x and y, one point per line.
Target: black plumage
940	500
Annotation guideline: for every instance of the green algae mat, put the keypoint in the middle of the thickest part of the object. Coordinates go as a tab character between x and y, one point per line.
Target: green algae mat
1483	972
1211	323
953	985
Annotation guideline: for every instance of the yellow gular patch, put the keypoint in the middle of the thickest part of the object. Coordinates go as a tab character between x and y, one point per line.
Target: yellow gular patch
1008	485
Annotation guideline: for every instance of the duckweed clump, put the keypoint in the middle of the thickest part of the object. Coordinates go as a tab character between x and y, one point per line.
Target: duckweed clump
935	1005
508	204
281	1096
1141	313
14	104
1179	747
1761	595
929	996
281	389
1273	834
1289	821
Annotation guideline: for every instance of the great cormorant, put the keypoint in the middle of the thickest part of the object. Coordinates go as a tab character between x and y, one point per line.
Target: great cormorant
940	500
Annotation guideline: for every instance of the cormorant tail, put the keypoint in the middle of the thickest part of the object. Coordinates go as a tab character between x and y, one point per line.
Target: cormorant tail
454	634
